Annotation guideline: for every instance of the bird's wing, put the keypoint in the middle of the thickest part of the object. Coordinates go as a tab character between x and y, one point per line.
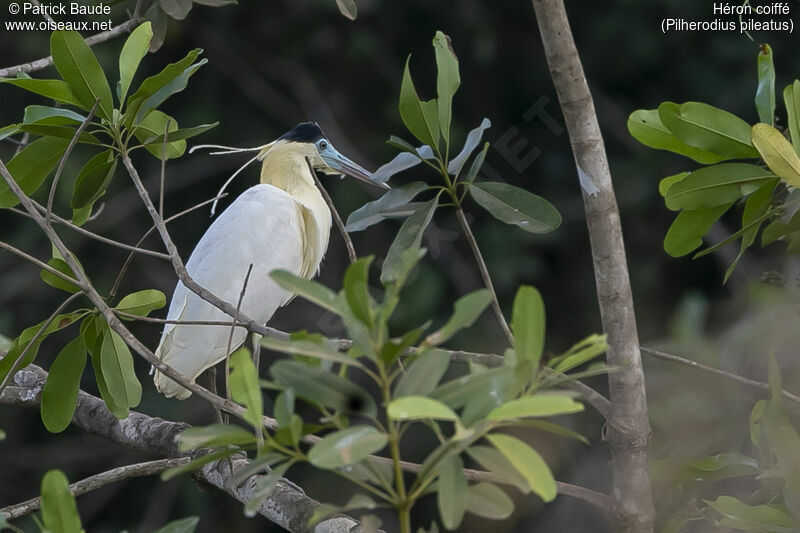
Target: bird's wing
263	227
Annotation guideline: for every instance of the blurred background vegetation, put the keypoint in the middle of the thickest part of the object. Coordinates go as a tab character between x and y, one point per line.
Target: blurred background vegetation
275	63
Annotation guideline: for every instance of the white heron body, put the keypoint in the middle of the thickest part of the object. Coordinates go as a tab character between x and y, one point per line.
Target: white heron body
282	223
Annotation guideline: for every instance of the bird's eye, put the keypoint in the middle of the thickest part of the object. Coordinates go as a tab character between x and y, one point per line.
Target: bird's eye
323	145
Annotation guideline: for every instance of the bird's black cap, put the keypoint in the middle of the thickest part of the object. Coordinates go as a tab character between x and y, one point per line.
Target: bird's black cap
305	132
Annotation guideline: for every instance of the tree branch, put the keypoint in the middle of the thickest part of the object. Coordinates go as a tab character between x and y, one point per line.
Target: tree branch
351	251
628	426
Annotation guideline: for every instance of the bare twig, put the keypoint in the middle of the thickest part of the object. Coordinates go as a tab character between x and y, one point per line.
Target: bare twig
235	318
163	169
764	387
351	251
45	62
97	481
44	13
487	279
64	158
628	428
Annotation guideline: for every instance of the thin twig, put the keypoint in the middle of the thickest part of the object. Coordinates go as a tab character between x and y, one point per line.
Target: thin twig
64	158
351	251
97	481
235	318
22	143
487	279
718	372
44	13
35	338
45	62
163	170
40	264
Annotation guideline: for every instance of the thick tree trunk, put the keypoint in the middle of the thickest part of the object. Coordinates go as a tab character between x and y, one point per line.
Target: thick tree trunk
628	428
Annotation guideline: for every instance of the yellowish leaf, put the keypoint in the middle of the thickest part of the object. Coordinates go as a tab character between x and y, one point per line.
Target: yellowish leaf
777	153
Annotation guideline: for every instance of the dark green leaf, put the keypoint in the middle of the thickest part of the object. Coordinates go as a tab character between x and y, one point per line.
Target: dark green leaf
646	127
477	163
158	19
8	131
323	388
244	386
356	290
55	116
528	325
666	183
384	207
76	63
791	98
177	9
466	311
423	375
323	349
155	89
214	435
154	125
447	80
495	462
118	410
762	518
489	501
493	383
31	166
312	291
59	511
421	118
134	49
60	392
184	525
346	446
755	207
116	363
142	303
180	134
61	132
473	139
409	237
26	337
93	180
55	281
451	494
716	185
284	407
687	230
516	206
765	94
708	128
529	463
57	90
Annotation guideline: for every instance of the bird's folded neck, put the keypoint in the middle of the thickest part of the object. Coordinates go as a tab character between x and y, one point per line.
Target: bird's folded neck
285	167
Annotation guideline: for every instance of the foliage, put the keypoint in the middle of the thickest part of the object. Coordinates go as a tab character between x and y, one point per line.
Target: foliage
712	137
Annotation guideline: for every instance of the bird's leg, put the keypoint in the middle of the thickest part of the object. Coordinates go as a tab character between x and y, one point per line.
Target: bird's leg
211	376
255	338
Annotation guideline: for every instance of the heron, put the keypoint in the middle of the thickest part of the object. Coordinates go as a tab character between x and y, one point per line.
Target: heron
281	223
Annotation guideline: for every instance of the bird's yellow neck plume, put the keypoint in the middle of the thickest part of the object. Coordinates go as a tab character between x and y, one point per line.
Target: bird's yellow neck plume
284	166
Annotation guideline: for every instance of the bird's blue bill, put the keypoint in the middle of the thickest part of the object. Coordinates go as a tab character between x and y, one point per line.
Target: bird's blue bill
338	162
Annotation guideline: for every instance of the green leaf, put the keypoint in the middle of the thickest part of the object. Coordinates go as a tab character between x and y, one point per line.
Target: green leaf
423	375
580	353
157	88
179	134
347	8
402	161
133	51
177	9
765	94
419	408
142	303
184	525
755	208
666	183
451	494
492	383
55	116
555	429
388	205
777	153
477	163
516	206
528	325
256	466
244	386
473	139
93	180
356	290
324	350
60	392
346	447
264	487
495	462
421	118
466	311
76	63
61	132
489	501
646	127
197	463
312	291
687	230
57	90
56	282
31	166
26	337
708	128
154	125
761	518
323	388
716	185
214	435
791	98
8	131
116	363
59	511
528	462
119	410
158	19
447	80
409	237
540	405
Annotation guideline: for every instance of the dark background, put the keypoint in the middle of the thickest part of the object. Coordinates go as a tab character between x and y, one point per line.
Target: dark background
273	64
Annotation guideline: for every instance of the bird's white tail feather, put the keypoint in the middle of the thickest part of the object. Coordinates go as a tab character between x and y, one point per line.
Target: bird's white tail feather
169	388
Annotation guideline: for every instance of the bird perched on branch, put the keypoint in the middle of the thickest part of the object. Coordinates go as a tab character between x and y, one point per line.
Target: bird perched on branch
282	223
